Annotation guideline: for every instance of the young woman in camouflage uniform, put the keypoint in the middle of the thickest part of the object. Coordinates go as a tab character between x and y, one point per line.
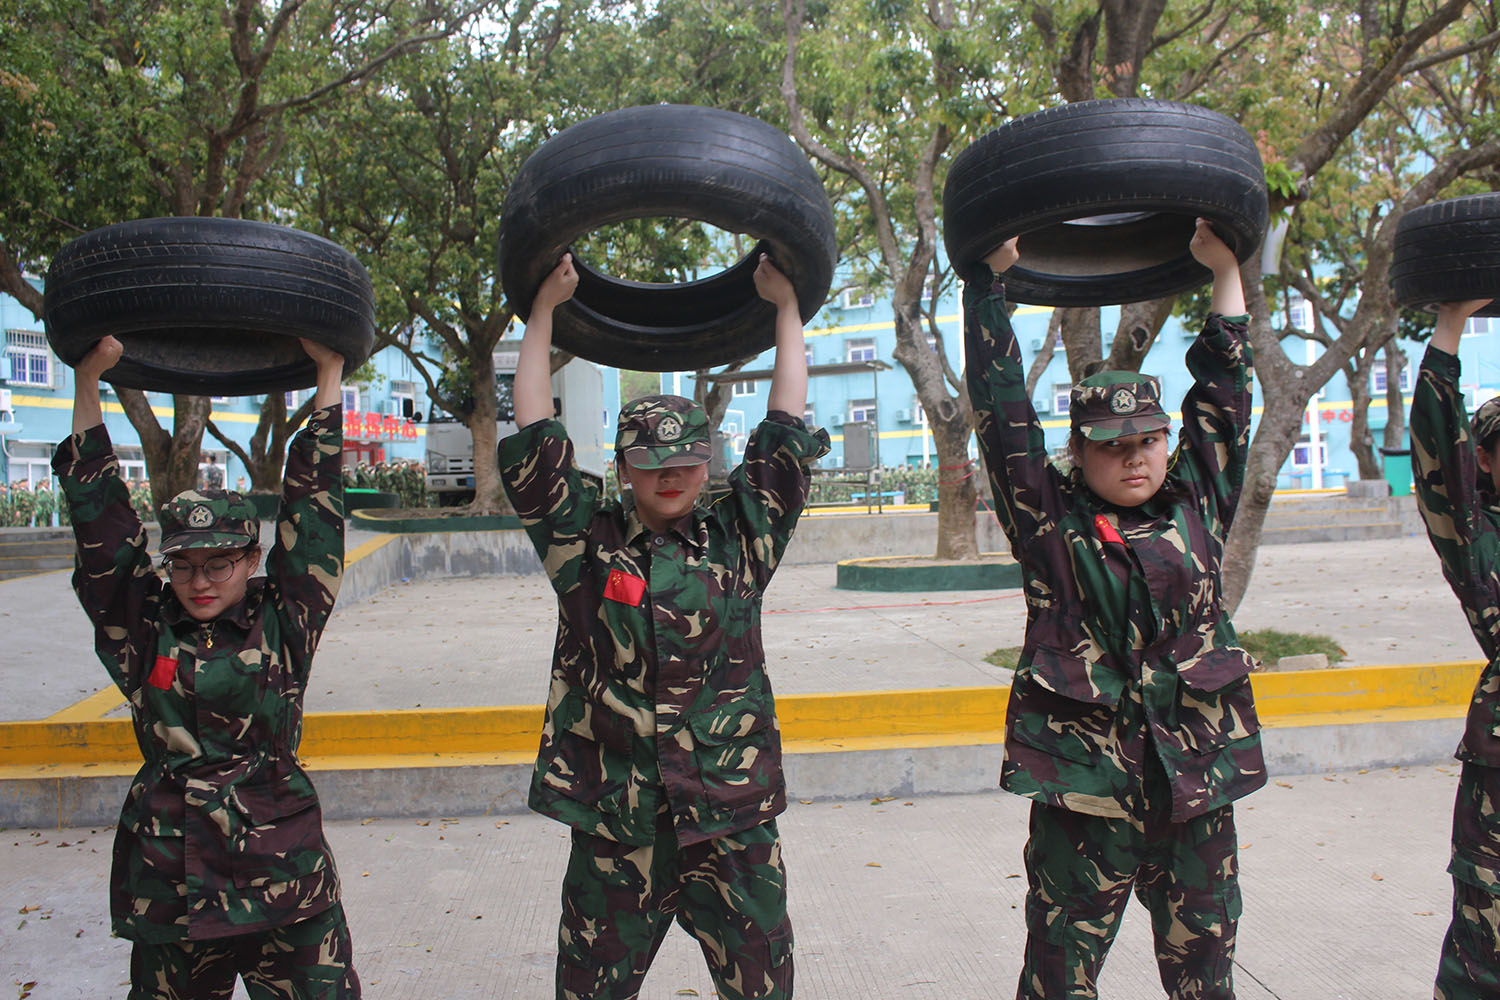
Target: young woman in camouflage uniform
1131	722
660	746
1456	468
220	865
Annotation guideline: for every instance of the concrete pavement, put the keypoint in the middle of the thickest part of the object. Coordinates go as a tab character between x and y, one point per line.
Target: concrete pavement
467	641
909	899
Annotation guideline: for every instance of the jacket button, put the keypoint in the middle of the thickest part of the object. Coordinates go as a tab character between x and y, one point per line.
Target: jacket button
661	540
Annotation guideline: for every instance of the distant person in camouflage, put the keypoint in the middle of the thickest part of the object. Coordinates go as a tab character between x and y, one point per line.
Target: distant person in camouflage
220	865
1456	473
1131	722
660	746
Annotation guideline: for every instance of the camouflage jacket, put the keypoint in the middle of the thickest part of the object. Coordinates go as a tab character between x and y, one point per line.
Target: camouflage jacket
1464	527
659	687
221	832
1128	655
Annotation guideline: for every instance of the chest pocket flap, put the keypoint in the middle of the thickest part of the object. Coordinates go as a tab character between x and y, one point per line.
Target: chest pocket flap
1216	669
1071	676
282	838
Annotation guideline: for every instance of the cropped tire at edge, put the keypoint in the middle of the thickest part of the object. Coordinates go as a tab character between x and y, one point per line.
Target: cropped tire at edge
209	306
1104	195
1449	251
684	161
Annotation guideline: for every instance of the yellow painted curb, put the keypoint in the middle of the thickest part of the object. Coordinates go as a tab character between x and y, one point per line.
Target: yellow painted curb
822	722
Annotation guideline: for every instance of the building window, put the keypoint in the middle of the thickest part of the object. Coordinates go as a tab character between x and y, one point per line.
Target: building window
918	415
1303	450
855	298
1062	396
1299	315
403	398
807	418
861	410
350	395
743	389
808	355
31	361
1378	372
1482	324
860	349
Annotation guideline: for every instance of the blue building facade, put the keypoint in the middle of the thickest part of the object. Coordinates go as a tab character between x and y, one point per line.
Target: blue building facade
858	327
36	396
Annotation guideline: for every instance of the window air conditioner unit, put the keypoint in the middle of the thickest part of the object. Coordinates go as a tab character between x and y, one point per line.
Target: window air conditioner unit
836	420
903	416
1042	404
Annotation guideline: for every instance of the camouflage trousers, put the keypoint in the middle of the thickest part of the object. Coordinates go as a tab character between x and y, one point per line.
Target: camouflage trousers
1469	966
619	901
308	960
1081	870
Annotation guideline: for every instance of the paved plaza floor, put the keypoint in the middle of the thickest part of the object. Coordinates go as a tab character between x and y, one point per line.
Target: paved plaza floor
1343	880
487	641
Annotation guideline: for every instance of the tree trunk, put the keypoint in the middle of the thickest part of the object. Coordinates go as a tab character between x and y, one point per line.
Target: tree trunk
171	459
952	423
488	498
265	457
1140	323
1361	441
1395	403
1080	337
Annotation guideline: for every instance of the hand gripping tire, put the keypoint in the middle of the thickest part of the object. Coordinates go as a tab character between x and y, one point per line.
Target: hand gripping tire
1449	251
714	166
207	306
1103	195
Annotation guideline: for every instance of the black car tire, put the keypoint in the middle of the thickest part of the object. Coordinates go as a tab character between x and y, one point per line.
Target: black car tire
706	164
1449	251
1104	195
209	306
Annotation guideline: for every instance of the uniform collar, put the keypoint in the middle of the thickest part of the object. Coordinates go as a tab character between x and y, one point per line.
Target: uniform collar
690	527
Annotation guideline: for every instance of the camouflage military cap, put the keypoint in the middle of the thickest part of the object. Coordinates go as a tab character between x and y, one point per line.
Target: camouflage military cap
1114	404
660	431
1485	425
207	519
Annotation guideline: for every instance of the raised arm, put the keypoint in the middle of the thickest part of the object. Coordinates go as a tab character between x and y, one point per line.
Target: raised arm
1214	254
532	397
1446	476
1216	411
1451	318
1026	487
788	391
113	577
306	563
88	411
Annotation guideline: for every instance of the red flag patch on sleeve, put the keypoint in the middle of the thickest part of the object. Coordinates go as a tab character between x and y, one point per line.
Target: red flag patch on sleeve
1107	532
163	672
623	587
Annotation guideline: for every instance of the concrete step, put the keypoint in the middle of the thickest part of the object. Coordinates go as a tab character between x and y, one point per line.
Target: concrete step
74	771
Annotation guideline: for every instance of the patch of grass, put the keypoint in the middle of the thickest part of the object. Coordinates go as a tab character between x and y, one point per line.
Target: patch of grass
1005	656
1268	645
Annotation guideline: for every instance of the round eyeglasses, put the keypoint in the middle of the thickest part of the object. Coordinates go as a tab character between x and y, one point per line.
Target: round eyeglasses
216	569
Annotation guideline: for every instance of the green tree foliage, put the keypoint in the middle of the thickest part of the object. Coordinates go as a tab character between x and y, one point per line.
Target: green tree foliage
123	110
